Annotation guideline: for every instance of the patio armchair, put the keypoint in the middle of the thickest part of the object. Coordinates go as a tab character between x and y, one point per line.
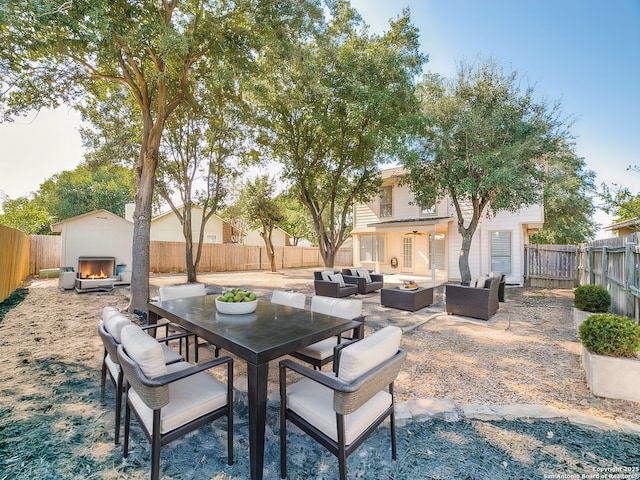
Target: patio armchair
366	280
170	401
330	283
321	353
184	291
291	299
478	302
342	411
110	333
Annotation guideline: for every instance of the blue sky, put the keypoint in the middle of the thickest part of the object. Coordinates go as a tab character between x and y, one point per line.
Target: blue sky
583	53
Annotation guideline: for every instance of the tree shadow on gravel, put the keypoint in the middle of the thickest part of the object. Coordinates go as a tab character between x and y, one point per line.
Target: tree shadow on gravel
58	429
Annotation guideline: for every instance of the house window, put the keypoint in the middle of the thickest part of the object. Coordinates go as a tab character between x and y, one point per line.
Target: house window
386	204
210	238
428	208
371	248
501	252
407	252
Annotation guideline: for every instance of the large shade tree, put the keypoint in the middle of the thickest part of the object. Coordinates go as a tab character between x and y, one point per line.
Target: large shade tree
568	200
485	145
64	51
331	106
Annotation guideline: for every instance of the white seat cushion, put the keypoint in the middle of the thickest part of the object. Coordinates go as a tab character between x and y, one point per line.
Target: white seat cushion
338	307
169	354
320	350
366	354
144	350
314	403
189	398
113	367
292	299
182	291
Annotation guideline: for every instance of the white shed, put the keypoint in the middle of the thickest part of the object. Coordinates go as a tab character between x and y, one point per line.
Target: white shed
95	234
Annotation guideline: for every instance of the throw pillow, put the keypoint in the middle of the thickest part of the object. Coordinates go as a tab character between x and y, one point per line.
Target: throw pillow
325	275
364	273
337	277
144	350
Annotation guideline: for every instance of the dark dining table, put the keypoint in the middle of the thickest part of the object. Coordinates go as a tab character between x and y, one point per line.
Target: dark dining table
272	331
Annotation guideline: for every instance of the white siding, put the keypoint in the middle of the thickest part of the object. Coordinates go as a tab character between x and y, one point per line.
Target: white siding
95	235
167	228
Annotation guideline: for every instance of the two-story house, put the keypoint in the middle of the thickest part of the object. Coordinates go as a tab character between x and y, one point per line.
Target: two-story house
394	234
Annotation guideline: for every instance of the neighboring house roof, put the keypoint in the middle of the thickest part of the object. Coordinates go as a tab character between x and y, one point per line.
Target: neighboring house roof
57	227
180	207
634	222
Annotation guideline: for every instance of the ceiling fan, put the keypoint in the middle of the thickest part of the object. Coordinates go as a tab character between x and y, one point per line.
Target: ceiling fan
415	232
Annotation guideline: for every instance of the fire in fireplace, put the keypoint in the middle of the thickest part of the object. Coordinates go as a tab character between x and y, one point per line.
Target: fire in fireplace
96	267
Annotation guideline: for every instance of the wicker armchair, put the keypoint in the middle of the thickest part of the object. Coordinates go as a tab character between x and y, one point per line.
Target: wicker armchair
357	277
109	331
171	401
341	411
329	288
476	302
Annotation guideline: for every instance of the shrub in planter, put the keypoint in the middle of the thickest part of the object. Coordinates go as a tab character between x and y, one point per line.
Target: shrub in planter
610	335
591	298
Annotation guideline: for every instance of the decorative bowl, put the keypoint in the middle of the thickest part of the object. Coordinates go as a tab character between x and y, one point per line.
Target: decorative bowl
236	308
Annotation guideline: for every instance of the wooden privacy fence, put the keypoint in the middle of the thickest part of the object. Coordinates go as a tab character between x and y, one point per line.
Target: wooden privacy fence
551	266
614	263
166	257
14	260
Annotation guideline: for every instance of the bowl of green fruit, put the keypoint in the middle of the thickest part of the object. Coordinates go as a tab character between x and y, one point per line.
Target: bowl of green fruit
236	302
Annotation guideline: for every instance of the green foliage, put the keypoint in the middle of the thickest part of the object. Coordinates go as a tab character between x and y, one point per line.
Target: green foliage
332	104
620	202
26	215
592	298
76	192
568	200
611	335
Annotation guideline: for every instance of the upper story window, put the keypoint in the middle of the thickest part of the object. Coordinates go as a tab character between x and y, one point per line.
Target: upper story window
386	203
428	208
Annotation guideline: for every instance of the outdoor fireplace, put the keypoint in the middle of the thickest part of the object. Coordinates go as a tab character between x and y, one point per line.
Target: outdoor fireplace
96	273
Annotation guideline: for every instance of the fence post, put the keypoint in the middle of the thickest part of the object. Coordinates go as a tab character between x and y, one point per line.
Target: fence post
592	273
605	266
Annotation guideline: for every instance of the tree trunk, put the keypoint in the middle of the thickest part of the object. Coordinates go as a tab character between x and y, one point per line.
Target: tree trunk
463	260
141	235
187	232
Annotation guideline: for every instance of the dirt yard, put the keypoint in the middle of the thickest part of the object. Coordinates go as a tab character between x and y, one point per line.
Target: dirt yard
528	353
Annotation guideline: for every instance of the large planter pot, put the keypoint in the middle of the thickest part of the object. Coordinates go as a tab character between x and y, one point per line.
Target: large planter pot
580	316
612	377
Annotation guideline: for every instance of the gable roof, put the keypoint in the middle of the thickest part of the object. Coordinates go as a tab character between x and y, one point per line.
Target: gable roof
102	213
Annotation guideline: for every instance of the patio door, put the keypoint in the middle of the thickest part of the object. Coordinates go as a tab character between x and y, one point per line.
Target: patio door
407	254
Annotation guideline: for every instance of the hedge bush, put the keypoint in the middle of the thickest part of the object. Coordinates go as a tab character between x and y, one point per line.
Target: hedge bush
591	298
610	335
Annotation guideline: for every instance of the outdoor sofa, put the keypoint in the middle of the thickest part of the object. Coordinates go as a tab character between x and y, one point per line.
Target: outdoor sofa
332	287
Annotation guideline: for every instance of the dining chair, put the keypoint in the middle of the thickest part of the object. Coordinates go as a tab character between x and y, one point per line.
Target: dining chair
172	292
291	299
110	333
321	353
340	411
170	401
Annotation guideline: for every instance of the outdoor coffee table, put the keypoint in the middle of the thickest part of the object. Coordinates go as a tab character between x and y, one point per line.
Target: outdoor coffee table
272	331
406	299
